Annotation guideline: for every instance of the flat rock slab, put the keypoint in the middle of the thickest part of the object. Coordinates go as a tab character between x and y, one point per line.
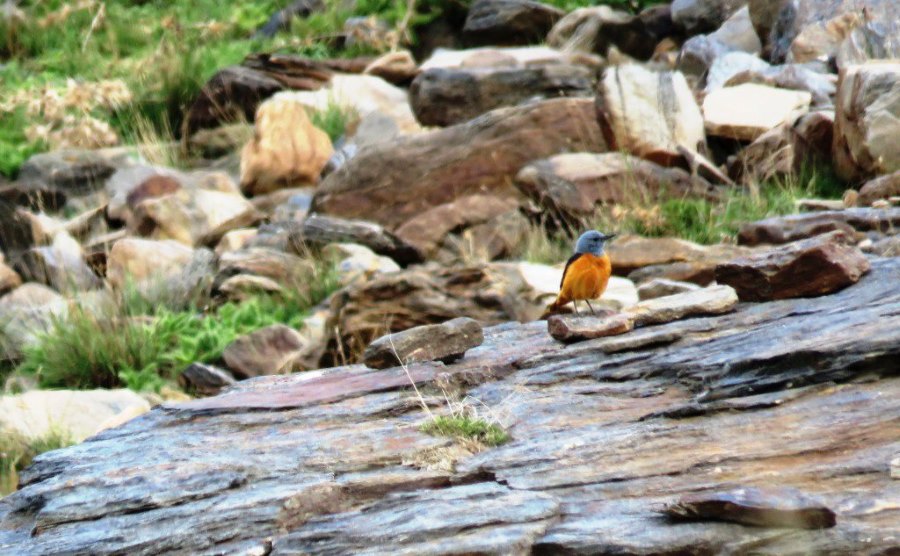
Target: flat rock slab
576	328
810	267
713	300
747	111
784	229
604	432
762	507
433	342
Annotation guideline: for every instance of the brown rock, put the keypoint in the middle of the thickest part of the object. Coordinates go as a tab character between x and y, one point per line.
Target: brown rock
233	90
631	252
882	187
867	120
9	278
285	269
761	507
144	259
713	300
779	230
577	328
60	266
813	135
441	97
811	267
509	22
392	183
429	229
649	114
242	286
769	155
156	185
398	68
286	150
445	342
267	351
571	186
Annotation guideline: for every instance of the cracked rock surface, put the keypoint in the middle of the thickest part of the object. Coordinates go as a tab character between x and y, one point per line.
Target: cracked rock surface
793	394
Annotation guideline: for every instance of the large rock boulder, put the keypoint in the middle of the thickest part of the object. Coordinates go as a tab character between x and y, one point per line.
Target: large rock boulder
745	112
286	150
570	187
867	120
603	436
445	342
441	97
391	184
810	267
509	22
702	16
649	114
809	30
70	415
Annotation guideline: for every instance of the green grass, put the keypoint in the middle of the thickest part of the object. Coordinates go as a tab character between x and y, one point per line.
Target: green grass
16	454
698	220
333	120
145	347
467	427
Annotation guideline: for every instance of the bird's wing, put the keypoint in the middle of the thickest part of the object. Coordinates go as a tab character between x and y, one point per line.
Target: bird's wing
571	260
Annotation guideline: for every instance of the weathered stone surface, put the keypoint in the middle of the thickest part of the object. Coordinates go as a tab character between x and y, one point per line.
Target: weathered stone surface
242	286
808	30
872	40
206	380
595	29
569	187
266	351
503	57
286	149
144	260
442	97
820	85
747	111
649	114
285	269
882	187
9	278
60	265
577	328
509	22
25	313
391	183
356	262
735	40
867	120
72	414
810	267
446	342
783	229
701	16
712	300
601	440
398	68
321	230
770	507
58	175
630	253
661	287
813	136
771	155
235	91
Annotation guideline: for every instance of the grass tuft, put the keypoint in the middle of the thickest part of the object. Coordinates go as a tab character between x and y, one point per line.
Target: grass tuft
467	427
17	453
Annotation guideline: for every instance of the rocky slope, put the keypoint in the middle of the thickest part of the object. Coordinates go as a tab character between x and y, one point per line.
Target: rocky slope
786	394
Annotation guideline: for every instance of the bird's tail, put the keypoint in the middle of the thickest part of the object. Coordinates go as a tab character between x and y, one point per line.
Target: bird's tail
554	307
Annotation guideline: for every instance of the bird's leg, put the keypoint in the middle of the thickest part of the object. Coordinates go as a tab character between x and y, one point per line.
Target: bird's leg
575	304
591	306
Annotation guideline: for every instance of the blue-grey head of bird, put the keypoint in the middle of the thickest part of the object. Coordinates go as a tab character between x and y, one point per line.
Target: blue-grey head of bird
592	242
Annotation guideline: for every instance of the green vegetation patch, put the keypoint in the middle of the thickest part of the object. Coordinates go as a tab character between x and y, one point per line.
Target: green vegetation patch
17	454
467	427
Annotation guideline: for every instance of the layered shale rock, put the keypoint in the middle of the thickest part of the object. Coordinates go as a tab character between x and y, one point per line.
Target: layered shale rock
604	435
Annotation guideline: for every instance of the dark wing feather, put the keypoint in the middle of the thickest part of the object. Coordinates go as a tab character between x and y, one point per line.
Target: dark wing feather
571	260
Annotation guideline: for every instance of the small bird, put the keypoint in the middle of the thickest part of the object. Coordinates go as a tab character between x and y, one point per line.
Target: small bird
587	272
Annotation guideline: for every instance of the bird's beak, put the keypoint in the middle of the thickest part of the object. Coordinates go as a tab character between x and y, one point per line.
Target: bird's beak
610	236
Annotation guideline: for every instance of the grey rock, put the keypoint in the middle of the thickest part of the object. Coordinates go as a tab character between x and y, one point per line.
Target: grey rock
72	172
661	287
441	97
206	380
809	267
784	229
320	230
601	439
701	16
446	342
882	187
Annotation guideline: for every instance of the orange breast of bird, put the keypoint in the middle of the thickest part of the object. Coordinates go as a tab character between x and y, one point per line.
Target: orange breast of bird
585	277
